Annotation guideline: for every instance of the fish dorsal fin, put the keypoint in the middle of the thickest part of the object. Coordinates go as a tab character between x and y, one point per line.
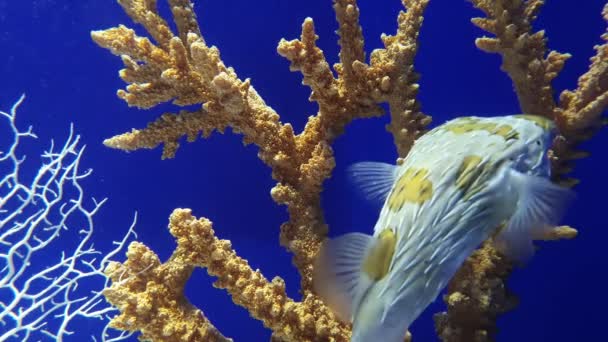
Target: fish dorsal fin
373	179
348	265
541	204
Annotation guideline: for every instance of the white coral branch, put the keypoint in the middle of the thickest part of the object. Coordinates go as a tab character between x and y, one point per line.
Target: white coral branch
50	273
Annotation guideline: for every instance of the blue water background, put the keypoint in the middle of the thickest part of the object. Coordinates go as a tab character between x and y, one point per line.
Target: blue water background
46	52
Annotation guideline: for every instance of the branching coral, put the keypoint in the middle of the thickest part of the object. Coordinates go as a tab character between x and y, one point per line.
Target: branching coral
478	288
50	273
531	68
184	69
149	294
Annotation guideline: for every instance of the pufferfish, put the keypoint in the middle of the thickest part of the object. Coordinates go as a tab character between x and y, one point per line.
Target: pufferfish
464	182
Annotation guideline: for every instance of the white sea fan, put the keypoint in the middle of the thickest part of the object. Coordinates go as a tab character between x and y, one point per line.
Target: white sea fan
51	276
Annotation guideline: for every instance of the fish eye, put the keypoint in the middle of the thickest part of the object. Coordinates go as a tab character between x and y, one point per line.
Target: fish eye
538	142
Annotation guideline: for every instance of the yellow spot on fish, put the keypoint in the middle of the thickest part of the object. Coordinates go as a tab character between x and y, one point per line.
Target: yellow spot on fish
469	171
541	121
473	177
506	131
378	260
412	187
468	124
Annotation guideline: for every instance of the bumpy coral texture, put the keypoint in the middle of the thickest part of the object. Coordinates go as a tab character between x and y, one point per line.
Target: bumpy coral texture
181	67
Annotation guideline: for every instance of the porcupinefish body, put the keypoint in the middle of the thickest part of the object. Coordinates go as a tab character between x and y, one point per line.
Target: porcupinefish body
463	182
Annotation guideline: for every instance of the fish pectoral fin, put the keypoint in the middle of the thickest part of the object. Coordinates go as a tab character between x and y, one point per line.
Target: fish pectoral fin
540	206
373	180
337	276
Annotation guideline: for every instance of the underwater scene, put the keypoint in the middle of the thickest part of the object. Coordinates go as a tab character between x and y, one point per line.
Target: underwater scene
274	170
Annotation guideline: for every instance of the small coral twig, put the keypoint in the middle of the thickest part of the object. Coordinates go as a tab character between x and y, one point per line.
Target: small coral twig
579	114
398	82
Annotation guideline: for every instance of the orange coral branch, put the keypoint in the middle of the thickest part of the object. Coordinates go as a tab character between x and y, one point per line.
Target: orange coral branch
579	114
351	39
388	78
150	298
398	82
168	129
150	294
265	300
523	51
